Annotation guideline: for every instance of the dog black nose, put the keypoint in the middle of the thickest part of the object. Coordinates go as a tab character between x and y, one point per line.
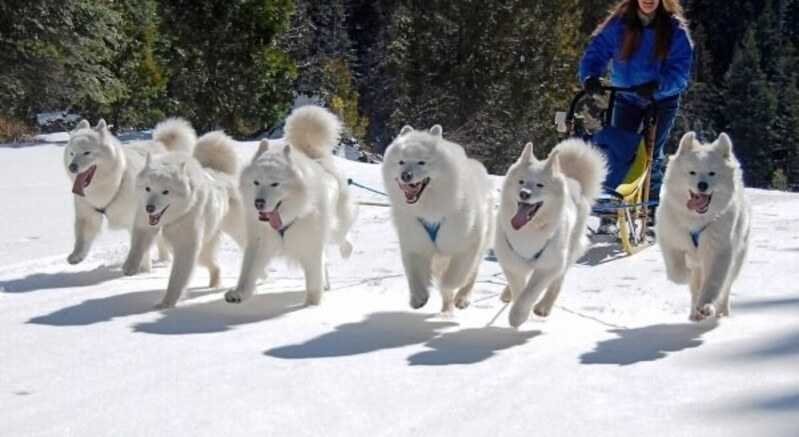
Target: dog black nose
150	209
406	176
260	204
702	186
73	168
524	195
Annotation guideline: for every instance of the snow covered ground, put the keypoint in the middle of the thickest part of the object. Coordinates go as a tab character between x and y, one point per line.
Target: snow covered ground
82	352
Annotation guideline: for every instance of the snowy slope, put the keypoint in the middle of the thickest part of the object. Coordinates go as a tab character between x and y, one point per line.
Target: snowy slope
82	352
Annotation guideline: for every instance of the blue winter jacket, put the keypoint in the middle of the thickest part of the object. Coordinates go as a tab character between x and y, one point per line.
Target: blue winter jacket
672	73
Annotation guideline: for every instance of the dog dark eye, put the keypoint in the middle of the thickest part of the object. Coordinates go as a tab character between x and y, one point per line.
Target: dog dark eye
147	189
275	184
402	163
521	182
256	183
86	153
712	173
693	173
422	163
165	192
539	185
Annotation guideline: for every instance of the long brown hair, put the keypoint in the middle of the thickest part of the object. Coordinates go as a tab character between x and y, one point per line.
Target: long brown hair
627	11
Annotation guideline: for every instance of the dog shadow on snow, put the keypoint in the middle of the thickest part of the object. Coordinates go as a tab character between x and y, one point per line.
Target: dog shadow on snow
220	316
46	281
389	330
108	308
648	343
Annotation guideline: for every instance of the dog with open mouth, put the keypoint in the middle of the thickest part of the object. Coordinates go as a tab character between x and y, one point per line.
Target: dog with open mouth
442	208
296	203
103	173
191	200
541	224
703	223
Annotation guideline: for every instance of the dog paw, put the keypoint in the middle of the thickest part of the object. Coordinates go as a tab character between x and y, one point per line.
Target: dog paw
462	302
234	296
542	310
507	295
345	249
418	301
76	258
517	317
703	312
164	305
313	299
130	269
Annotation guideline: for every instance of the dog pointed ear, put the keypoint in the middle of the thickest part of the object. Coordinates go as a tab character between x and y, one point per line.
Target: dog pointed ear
552	166
84	124
527	154
687	143
102	126
148	159
437	131
183	167
262	148
405	130
287	152
724	145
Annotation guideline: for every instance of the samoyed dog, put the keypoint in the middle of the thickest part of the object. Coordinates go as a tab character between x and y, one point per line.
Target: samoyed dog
103	174
541	224
703	223
191	200
442	206
297	203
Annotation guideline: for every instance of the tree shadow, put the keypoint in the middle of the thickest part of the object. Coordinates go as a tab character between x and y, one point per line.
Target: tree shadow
385	330
220	316
649	343
43	281
107	308
758	305
469	346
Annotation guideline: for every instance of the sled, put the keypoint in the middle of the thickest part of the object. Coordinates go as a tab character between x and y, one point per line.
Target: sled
630	158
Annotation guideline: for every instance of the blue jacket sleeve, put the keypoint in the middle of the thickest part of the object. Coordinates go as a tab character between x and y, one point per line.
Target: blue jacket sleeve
676	69
599	52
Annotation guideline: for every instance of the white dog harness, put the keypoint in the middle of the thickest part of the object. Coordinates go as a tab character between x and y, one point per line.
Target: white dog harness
535	257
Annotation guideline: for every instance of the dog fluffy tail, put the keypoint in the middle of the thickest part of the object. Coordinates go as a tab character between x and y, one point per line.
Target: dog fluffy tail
313	130
585	164
176	134
215	150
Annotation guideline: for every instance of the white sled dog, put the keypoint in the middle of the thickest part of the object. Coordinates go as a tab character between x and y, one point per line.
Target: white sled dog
103	174
297	203
192	201
541	224
703	223
442	206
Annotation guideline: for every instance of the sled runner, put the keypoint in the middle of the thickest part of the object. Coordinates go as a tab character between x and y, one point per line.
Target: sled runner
630	157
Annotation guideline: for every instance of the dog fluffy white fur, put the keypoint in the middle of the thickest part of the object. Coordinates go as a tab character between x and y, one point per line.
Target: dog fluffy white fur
297	203
192	200
541	224
703	223
442	206
103	175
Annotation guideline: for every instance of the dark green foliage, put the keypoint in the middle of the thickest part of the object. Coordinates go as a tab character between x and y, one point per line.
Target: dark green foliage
224	68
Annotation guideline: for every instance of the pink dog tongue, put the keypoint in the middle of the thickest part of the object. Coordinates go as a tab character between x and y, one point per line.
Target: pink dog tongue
697	202
275	220
80	180
522	216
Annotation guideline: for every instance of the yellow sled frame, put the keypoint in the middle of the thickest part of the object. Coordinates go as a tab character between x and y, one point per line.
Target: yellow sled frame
634	191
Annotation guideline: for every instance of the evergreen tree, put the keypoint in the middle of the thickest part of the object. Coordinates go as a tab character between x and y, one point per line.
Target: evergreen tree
750	110
224	68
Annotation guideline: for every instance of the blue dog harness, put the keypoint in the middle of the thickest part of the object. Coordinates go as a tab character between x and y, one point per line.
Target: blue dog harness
695	235
431	228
